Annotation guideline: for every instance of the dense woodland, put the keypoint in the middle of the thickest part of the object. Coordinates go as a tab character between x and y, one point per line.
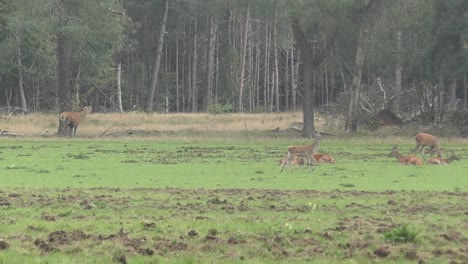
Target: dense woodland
350	58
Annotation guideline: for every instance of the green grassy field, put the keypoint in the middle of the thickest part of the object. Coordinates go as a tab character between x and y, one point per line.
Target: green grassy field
219	164
187	200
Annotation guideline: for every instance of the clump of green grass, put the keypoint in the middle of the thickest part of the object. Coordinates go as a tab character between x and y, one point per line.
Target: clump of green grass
401	234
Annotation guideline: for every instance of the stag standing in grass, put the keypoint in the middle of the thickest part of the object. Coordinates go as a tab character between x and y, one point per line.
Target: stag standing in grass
426	140
71	120
405	160
442	161
306	151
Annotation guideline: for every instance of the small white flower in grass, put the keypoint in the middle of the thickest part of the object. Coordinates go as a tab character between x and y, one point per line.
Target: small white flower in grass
288	226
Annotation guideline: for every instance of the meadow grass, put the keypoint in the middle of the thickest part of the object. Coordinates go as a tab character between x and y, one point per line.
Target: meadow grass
362	164
208	189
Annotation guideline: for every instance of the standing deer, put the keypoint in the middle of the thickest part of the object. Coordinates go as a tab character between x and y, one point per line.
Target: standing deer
306	151
442	161
71	120
426	140
405	160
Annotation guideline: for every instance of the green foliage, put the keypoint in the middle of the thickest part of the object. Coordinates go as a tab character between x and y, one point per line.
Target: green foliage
220	108
459	117
401	234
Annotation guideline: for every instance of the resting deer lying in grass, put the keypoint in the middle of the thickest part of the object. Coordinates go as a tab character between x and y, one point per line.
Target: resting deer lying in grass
405	160
441	161
324	158
296	160
306	151
71	120
427	140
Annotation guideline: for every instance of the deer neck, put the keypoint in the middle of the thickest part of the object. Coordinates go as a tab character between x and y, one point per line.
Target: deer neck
398	156
315	145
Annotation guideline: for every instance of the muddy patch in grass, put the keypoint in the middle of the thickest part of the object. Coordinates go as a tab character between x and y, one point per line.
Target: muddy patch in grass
249	224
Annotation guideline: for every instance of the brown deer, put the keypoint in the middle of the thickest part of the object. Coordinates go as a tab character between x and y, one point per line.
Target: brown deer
306	151
405	160
71	120
442	161
426	140
296	161
324	158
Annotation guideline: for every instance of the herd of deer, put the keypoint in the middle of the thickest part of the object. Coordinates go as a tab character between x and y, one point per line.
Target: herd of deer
298	155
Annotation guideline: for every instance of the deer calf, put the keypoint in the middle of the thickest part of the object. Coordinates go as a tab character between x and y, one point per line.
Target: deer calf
442	161
426	140
71	120
405	160
306	151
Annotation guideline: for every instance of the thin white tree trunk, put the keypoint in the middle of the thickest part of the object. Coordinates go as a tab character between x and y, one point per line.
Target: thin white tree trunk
24	106
157	61
243	59
119	86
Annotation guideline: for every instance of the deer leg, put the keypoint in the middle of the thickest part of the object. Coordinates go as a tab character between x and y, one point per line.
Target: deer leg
416	148
422	152
74	129
288	160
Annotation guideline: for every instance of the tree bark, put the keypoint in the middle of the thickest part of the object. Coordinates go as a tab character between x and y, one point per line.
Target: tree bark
194	70
311	62
210	63
243	59
353	111
24	106
119	86
157	61
396	104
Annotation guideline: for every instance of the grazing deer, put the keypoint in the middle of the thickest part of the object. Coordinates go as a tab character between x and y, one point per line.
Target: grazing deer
426	140
442	161
71	120
324	158
306	151
405	160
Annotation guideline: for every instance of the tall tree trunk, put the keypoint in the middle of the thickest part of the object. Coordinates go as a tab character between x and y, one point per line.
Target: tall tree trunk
352	121
452	94
210	63
24	106
194	69
275	65
157	61
396	104
311	62
119	86
286	81
177	72
243	59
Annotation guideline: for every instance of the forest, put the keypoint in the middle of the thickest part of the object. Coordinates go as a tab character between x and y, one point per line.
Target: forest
349	58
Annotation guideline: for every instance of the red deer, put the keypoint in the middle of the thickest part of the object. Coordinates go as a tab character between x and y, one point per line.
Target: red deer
306	151
405	160
442	161
324	158
297	161
71	120
426	140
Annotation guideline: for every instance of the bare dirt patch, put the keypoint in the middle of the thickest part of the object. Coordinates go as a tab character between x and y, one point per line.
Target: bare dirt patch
278	225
